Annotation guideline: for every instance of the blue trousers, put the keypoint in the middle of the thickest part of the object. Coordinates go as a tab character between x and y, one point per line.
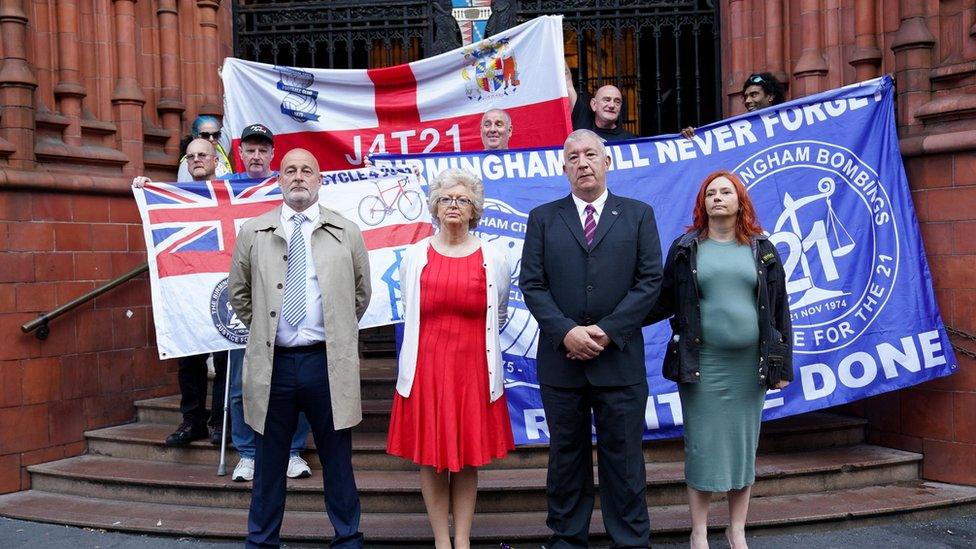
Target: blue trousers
300	383
241	433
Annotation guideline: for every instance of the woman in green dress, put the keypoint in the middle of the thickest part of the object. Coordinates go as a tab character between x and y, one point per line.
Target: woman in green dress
725	290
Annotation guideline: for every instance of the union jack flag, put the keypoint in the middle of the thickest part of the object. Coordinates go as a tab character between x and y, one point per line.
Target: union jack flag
193	225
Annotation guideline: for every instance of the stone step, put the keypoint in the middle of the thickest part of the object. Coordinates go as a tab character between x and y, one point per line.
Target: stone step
916	499
166	410
378	377
500	490
145	441
794	433
811	431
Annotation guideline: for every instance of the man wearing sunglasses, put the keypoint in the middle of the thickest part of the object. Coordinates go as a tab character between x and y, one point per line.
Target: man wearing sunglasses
208	128
201	162
759	91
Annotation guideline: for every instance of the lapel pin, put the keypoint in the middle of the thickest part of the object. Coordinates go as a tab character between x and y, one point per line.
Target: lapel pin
614	212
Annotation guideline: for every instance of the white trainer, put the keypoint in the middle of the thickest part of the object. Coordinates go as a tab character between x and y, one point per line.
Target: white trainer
244	472
298	468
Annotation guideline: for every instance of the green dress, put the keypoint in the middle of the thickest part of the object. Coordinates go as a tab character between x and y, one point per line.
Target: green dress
723	410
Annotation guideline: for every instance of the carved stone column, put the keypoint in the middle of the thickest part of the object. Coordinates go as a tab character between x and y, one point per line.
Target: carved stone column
170	105
68	91
127	97
209	47
912	44
17	85
812	65
775	29
866	57
740	57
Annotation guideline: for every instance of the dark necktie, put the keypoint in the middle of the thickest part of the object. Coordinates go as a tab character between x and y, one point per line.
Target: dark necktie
589	225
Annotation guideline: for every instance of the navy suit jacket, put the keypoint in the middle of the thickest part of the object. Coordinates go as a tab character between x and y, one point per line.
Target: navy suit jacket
613	284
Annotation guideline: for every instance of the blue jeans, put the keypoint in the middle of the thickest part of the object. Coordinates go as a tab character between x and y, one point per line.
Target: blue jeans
241	432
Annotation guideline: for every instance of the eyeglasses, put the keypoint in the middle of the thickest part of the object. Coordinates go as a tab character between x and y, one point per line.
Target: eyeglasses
210	135
460	201
756	79
198	156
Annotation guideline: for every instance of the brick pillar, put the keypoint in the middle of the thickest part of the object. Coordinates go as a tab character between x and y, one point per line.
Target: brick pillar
170	106
740	46
865	57
912	44
775	29
811	68
210	46
127	97
68	91
17	85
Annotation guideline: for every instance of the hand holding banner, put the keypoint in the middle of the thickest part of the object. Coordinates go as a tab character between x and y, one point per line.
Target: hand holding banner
190	230
434	104
826	177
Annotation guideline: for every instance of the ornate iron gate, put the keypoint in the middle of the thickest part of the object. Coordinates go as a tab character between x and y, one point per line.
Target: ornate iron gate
662	54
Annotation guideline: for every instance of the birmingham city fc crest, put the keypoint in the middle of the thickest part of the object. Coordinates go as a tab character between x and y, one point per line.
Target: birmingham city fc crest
224	317
491	71
835	233
300	100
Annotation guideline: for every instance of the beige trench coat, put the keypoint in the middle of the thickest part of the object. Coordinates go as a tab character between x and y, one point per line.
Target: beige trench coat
257	278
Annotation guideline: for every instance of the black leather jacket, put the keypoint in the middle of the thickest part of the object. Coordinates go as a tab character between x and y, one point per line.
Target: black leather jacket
679	299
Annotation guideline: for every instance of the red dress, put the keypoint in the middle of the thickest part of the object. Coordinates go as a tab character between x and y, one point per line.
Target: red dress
449	421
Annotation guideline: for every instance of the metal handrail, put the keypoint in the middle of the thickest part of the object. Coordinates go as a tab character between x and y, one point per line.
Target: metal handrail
41	323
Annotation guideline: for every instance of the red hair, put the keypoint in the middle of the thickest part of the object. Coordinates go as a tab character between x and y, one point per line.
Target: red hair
746	224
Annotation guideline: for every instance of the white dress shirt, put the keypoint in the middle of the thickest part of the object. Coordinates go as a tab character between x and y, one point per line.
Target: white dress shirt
597	205
312	328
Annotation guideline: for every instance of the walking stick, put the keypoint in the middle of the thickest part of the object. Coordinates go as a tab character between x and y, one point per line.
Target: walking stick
222	466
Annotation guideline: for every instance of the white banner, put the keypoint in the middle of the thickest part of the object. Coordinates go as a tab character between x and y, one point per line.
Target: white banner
190	230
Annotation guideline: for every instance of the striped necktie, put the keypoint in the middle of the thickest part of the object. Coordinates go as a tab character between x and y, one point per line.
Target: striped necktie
293	302
589	226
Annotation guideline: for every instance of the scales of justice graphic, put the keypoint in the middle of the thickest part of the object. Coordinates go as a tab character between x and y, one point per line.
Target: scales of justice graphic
828	235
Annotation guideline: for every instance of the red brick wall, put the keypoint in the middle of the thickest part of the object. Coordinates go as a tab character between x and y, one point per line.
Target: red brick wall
938	418
930	49
99	358
91	93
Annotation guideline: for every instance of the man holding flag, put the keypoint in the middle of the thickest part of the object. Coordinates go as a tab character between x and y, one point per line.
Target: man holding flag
201	158
257	151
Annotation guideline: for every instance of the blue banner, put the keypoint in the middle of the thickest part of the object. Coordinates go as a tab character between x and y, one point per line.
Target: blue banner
826	175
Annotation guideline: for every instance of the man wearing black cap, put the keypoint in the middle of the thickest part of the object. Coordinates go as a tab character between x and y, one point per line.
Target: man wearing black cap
257	151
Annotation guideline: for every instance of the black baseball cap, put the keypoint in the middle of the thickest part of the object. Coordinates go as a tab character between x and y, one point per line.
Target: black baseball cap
258	130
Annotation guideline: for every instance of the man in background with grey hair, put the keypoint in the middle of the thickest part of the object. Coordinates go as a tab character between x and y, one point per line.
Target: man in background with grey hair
496	130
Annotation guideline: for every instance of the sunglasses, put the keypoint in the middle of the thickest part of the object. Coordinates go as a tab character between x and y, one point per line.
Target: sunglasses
756	79
210	135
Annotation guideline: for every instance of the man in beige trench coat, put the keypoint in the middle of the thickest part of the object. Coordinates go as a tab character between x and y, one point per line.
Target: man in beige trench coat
300	281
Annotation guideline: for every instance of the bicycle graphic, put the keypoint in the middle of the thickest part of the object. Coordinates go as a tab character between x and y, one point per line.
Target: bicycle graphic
374	208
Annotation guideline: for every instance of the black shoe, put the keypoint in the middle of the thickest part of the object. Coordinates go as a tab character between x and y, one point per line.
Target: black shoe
215	436
185	434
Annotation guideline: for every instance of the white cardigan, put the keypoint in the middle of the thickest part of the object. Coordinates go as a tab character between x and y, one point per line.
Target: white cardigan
498	278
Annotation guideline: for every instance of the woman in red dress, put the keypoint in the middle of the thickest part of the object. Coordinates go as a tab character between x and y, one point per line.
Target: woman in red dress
449	414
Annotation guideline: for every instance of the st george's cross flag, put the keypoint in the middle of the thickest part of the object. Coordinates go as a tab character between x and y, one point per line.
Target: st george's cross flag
430	105
191	227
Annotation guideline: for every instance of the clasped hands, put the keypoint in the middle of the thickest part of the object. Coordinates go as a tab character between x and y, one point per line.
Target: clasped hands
585	342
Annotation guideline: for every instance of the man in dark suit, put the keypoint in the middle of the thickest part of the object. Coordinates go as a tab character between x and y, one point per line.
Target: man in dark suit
591	270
